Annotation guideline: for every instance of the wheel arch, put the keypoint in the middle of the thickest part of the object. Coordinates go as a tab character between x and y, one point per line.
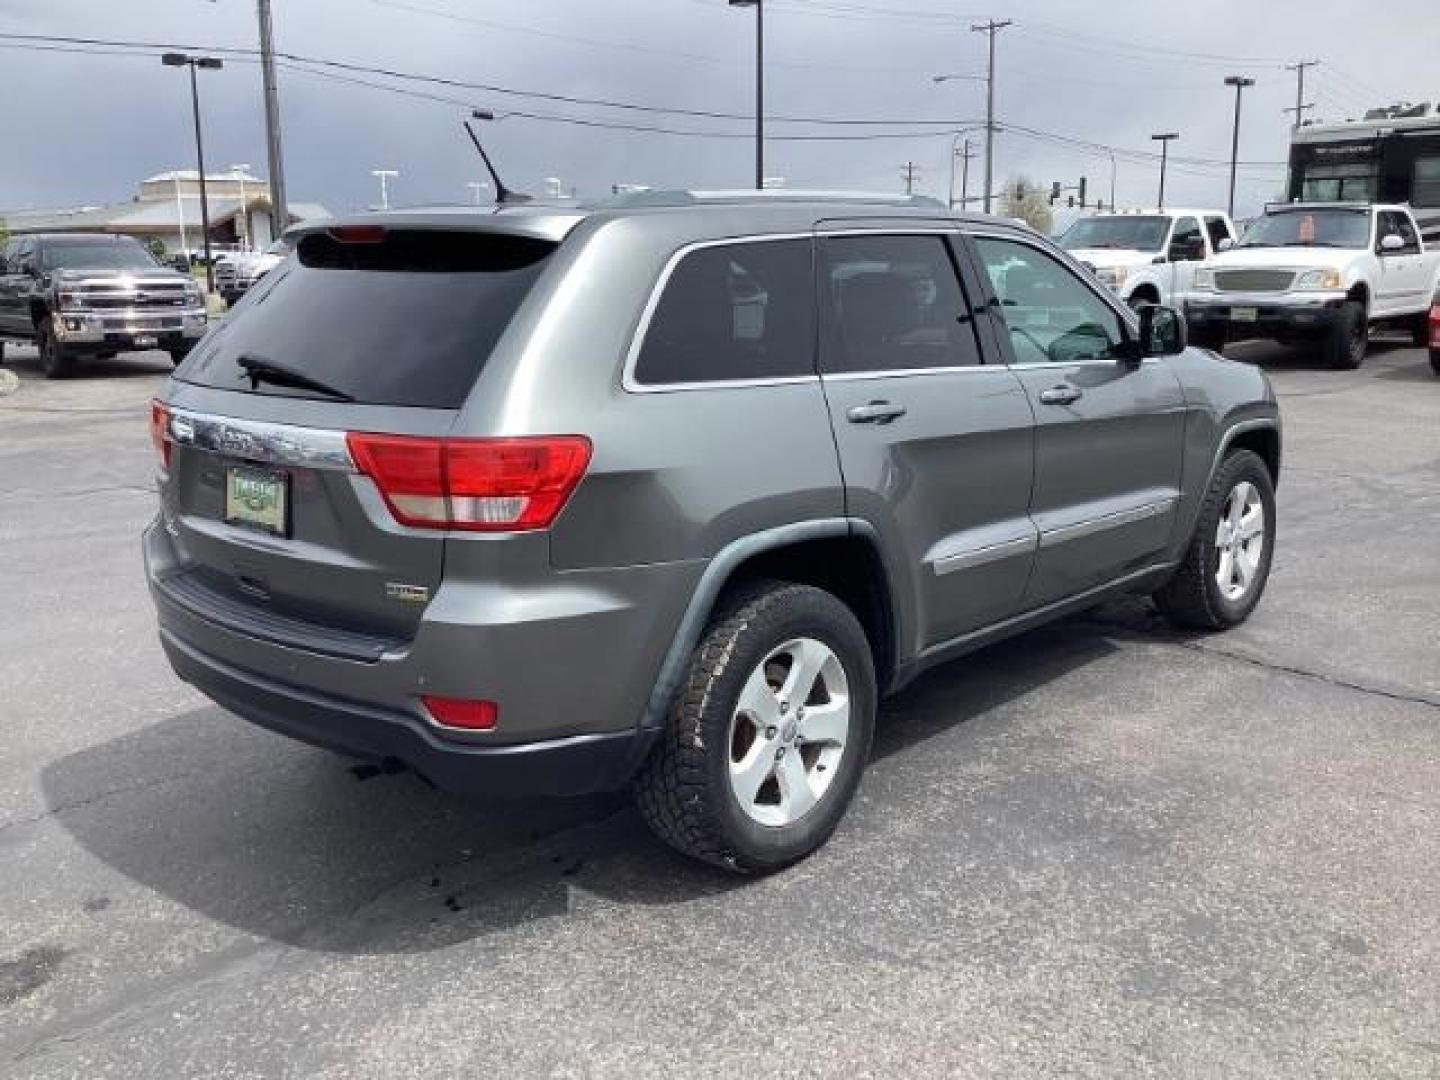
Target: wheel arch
839	555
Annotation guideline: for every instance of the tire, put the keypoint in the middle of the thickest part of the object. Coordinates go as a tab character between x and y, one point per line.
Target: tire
685	790
1420	330
1349	338
55	361
1194	597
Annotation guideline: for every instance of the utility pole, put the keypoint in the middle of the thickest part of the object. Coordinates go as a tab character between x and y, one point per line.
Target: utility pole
965	176
908	172
991	28
1239	82
965	155
279	207
1300	103
1164	139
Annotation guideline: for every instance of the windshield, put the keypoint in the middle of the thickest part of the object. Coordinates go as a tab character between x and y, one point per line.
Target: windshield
409	319
1122	233
1310	228
119	254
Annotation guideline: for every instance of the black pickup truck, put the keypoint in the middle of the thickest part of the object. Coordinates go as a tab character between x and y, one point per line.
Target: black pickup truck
75	295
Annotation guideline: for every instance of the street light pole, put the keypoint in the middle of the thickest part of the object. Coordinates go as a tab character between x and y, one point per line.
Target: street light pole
1164	140
1239	82
209	63
238	171
759	7
384	176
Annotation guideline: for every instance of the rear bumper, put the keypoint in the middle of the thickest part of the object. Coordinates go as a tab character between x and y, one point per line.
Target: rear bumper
577	765
570	658
1265	315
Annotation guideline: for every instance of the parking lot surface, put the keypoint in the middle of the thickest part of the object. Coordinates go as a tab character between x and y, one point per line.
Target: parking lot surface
1103	849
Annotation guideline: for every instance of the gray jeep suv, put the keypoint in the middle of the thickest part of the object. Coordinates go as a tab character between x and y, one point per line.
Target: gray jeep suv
671	492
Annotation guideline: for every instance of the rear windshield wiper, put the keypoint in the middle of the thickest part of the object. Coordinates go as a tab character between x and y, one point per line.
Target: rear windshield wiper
260	369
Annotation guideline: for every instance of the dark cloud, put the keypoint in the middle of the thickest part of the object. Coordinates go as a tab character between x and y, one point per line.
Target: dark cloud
82	129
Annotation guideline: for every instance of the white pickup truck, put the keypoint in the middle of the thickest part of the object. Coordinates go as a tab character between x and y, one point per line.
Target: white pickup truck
1317	271
1147	256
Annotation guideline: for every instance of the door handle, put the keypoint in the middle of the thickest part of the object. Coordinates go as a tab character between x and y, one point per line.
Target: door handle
877	412
1061	395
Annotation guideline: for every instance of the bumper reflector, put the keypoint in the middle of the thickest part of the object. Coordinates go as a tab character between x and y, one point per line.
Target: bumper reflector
463	713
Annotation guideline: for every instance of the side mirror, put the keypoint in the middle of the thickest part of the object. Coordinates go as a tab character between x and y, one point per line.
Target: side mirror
1162	331
1392	242
1225	245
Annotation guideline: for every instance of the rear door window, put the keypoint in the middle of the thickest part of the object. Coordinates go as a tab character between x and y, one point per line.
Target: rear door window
408	320
1218	231
893	303
732	312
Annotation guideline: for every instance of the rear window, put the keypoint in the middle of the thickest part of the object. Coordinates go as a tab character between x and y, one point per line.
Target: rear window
408	320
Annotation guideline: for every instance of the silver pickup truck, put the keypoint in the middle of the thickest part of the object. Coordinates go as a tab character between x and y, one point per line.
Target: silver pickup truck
74	295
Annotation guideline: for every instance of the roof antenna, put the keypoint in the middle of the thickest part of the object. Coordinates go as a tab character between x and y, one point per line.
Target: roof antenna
503	195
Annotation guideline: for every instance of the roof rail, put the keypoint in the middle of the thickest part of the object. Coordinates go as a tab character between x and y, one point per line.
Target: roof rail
682	197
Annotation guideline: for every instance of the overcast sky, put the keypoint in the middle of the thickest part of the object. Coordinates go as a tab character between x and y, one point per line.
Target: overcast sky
86	128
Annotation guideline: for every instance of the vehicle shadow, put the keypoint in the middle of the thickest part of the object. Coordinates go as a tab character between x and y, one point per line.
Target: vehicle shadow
25	363
300	846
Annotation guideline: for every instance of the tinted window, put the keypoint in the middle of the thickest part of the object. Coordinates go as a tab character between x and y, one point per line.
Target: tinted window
1426	191
409	321
733	311
1218	231
1356	182
1052	315
893	303
121	253
1187	236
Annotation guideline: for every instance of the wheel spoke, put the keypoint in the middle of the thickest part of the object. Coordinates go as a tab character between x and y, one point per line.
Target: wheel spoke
1252	523
1226	571
807	658
758	700
1236	508
827	724
747	777
1246	564
796	794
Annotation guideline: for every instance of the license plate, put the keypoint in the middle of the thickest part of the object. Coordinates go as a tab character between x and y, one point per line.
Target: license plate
258	499
1244	314
146	341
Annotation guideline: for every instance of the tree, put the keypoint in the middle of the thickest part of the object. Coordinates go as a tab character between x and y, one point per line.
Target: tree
4	231
1024	199
157	247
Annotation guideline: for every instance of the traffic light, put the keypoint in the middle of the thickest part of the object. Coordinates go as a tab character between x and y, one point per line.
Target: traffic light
1054	192
1082	192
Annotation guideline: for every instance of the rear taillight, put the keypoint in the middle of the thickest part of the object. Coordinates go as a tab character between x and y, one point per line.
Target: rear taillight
480	485
1435	327
160	432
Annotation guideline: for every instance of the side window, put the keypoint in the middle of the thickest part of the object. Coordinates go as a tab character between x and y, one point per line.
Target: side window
1188	243
25	257
1052	315
733	311
893	303
1399	225
1218	231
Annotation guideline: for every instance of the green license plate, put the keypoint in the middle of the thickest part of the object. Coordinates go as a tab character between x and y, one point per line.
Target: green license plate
258	499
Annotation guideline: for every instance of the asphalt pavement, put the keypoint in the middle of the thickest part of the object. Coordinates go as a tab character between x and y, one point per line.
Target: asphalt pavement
1103	849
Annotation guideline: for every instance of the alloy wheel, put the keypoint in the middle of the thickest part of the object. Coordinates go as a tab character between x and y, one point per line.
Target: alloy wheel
789	732
1240	541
